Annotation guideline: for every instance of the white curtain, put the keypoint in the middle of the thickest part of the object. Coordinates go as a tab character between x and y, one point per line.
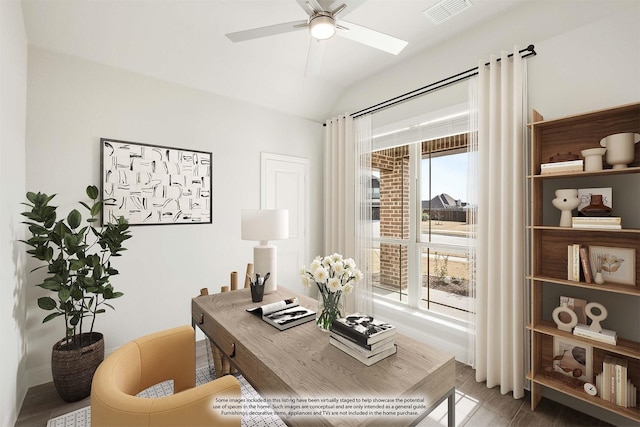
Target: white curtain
499	344
364	226
347	179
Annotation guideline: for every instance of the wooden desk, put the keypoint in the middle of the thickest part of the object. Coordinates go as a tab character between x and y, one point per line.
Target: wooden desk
300	363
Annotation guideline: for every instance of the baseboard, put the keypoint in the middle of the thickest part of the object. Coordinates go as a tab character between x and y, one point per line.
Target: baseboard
42	374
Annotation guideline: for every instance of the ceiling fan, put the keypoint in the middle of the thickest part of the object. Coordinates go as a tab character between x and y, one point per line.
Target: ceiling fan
323	24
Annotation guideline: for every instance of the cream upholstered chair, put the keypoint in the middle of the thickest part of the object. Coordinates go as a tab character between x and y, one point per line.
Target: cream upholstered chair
150	360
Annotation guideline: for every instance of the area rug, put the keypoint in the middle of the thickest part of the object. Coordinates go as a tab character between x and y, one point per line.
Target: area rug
82	417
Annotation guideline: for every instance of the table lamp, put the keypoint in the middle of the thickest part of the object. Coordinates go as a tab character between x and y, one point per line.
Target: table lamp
264	225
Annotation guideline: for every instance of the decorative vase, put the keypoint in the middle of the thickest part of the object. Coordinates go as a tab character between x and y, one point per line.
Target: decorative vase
593	159
73	368
620	148
330	307
566	200
596	207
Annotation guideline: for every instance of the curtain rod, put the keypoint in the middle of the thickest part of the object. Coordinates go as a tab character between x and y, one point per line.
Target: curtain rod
433	86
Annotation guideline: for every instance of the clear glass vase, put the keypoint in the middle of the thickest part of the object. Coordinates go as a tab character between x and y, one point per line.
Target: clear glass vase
330	307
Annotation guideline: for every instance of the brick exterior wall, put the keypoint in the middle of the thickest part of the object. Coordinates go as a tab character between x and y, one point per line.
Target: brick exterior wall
393	165
394	214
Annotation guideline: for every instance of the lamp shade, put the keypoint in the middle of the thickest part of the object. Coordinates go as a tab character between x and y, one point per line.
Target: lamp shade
265	224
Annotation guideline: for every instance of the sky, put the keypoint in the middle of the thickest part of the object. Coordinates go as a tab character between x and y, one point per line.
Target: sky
448	175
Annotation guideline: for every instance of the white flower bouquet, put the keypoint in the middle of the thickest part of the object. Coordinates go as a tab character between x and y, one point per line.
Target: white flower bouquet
334	276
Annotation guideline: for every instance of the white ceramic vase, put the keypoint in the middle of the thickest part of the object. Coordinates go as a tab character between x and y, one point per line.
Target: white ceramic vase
593	158
620	148
566	200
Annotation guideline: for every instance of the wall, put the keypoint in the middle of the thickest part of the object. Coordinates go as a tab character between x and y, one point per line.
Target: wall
578	68
13	95
72	103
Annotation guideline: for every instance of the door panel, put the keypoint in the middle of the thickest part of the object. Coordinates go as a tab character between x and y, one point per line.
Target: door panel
284	186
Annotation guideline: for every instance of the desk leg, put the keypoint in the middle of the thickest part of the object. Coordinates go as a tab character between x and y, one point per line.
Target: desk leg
450	397
451	410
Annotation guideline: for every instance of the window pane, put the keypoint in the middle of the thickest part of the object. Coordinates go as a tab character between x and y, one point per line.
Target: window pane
445	281
444	196
390	271
393	180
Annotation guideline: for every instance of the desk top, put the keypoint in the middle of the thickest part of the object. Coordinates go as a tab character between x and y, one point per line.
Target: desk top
300	362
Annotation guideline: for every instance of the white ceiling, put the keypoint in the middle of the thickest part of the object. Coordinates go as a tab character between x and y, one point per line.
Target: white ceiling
183	41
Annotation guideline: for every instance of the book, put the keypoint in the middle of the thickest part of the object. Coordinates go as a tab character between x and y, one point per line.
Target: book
362	329
615	220
606	336
573	262
565	163
569	262
562	167
576	262
367	360
598	226
284	314
368	350
586	268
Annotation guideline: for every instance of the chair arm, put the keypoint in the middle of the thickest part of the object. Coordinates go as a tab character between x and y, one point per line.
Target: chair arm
195	406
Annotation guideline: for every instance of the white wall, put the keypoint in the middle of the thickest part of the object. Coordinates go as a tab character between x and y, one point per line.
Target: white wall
72	103
13	93
588	57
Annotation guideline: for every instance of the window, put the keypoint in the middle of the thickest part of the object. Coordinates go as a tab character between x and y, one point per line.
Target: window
422	231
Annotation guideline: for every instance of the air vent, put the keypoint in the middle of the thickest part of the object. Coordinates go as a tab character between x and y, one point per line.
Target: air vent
445	9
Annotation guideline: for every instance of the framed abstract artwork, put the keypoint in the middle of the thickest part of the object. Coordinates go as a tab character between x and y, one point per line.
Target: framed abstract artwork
152	185
573	358
617	265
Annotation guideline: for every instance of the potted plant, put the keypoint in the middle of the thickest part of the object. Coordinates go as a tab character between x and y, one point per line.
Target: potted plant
78	263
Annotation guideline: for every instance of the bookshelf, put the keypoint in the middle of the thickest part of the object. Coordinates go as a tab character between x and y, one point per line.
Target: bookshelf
548	251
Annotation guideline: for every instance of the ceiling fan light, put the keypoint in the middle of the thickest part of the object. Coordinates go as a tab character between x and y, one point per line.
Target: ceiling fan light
322	27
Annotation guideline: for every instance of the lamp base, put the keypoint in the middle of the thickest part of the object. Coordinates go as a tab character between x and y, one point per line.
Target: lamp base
265	260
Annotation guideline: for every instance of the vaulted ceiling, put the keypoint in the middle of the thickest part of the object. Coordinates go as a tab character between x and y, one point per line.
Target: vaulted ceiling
183	41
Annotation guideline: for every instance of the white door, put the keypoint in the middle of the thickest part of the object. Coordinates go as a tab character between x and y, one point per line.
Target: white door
285	181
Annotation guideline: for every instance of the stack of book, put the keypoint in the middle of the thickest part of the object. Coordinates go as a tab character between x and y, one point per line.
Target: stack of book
568	166
577	262
364	338
601	222
613	383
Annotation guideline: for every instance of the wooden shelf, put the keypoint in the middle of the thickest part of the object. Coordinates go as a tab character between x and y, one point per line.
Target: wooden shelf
548	251
624	347
605	287
542	379
604	172
583	230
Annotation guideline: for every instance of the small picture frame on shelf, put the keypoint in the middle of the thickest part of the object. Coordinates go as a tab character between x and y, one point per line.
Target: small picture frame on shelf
617	265
573	359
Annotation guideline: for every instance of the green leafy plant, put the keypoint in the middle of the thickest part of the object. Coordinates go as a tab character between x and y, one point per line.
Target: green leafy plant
77	259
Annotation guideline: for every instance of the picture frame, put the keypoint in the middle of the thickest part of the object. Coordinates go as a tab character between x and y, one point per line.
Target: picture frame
573	358
155	185
618	264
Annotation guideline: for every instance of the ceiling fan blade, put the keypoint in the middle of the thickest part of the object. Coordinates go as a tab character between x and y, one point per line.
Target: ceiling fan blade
308	7
314	59
271	30
371	37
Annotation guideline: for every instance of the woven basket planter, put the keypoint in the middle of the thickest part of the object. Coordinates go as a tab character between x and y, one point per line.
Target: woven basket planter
73	368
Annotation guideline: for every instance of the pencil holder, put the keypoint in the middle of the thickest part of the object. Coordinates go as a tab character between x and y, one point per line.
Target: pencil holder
256	293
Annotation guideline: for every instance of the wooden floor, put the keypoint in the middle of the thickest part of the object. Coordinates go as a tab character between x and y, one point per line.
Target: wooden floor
476	406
